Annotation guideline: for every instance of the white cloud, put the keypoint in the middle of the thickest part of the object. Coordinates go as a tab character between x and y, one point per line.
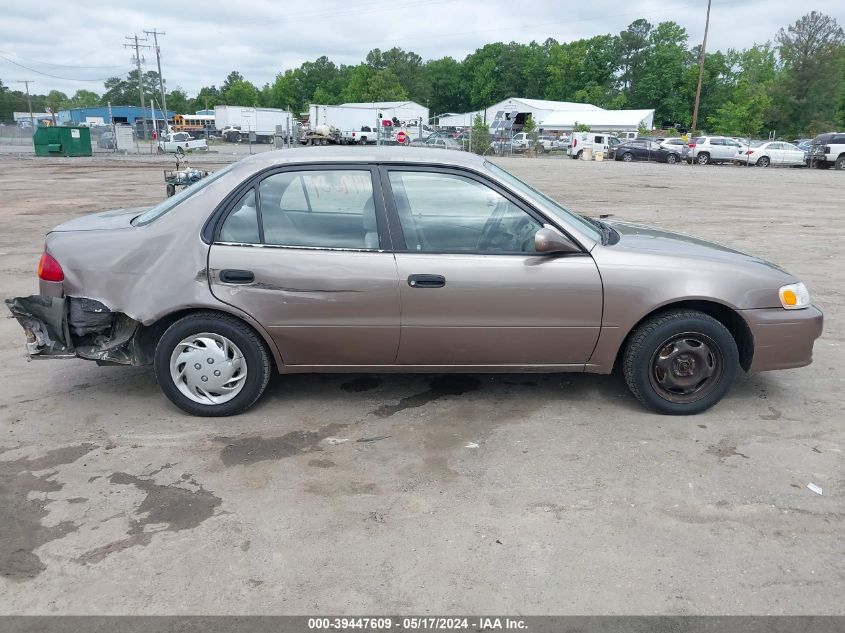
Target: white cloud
206	40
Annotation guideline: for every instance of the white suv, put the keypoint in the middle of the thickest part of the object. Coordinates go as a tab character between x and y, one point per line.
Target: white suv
712	149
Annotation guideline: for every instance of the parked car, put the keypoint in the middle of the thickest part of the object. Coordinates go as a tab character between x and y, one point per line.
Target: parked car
519	142
442	143
180	143
828	150
563	142
106	140
547	143
675	143
642	149
765	153
712	149
401	260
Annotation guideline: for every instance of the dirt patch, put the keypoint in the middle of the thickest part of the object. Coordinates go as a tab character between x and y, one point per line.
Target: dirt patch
21	531
724	449
439	386
249	450
176	507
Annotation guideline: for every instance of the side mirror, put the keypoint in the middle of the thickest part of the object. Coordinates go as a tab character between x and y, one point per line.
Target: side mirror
548	240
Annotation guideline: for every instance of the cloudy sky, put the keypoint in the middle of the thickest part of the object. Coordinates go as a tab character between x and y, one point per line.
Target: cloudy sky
69	45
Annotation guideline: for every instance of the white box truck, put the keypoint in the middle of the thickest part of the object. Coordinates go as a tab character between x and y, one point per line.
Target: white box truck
236	123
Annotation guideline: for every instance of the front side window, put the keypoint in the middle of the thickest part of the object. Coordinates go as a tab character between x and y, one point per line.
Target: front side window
447	213
318	209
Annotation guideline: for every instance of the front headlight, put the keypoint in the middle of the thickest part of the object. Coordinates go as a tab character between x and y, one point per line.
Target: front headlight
794	296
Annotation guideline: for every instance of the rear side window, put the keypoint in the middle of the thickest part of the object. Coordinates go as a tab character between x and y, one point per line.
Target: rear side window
838	139
314	209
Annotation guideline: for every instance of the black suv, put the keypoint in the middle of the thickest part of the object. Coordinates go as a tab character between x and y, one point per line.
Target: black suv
827	150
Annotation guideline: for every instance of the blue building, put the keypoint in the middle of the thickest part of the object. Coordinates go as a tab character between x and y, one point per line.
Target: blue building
121	114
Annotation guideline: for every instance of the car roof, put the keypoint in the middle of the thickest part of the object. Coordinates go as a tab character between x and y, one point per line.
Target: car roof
366	154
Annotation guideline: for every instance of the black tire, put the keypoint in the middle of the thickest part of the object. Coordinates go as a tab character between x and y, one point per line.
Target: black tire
671	159
703	158
840	163
646	348
627	157
247	340
763	161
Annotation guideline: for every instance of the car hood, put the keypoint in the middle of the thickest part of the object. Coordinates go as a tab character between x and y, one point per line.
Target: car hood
661	242
104	221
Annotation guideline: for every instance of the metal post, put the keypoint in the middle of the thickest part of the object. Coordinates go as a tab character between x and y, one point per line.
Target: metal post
700	74
137	60
29	101
155	35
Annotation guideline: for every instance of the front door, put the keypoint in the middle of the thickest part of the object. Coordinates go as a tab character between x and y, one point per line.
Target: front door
473	290
306	253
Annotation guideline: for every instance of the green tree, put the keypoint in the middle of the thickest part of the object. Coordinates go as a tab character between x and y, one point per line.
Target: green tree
480	136
448	93
241	93
810	89
124	90
178	101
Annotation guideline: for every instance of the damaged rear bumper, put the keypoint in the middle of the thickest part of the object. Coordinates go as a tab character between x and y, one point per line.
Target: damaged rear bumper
70	327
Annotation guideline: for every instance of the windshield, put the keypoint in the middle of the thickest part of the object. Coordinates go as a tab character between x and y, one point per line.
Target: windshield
583	225
169	203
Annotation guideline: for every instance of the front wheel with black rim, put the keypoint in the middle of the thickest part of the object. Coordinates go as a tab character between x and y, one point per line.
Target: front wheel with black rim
680	362
211	364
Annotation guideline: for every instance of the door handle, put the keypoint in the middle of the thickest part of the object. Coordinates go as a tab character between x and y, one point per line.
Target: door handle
231	276
426	281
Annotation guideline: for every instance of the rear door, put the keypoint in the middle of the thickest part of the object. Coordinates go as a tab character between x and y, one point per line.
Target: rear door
305	251
473	290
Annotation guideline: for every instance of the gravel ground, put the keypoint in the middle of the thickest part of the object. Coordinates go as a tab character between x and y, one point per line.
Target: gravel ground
414	494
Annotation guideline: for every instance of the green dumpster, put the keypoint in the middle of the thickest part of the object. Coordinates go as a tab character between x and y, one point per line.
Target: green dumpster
62	141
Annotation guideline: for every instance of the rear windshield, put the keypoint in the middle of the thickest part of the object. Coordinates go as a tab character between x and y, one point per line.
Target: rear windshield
169	203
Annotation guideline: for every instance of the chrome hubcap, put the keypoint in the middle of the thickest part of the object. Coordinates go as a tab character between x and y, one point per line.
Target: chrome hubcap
208	368
686	367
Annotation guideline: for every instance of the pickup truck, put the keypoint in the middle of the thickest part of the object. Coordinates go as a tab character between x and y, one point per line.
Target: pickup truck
363	136
180	142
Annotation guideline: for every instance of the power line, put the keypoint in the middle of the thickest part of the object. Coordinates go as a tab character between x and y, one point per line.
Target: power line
38	72
35	61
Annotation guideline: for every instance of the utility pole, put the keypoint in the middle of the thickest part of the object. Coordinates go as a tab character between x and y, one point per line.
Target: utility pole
29	100
155	35
137	61
700	72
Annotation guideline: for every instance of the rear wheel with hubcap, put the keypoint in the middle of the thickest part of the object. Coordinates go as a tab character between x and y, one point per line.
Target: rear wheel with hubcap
627	157
672	159
703	158
680	362
840	163
763	161
211	364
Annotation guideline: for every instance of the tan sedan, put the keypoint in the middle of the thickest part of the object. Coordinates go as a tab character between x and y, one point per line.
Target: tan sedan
403	260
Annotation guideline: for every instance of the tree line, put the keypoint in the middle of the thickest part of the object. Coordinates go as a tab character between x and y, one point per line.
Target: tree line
794	84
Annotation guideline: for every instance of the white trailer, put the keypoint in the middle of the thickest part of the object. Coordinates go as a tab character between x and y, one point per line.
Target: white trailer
237	123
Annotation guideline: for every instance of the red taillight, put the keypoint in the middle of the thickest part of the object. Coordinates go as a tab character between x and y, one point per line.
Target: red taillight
353	134
575	142
49	269
691	145
749	152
